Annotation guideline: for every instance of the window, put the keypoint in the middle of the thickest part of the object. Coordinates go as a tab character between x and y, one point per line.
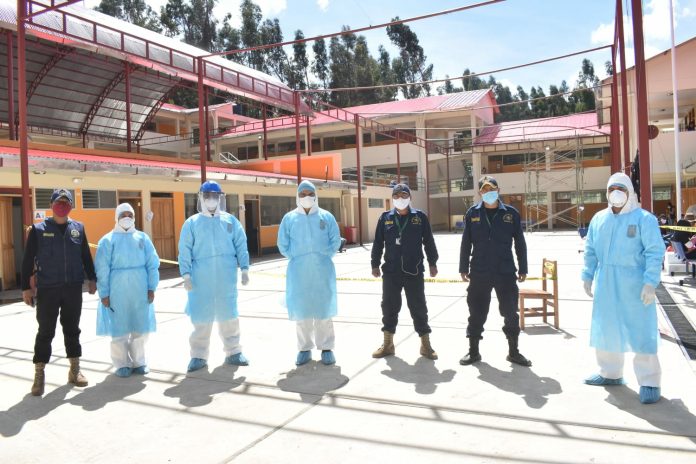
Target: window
594	153
274	208
536	198
42	198
98	199
332	205
338	143
662	193
375	203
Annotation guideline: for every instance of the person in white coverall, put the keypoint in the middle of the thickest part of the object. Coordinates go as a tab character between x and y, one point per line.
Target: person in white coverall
623	259
211	248
127	268
309	237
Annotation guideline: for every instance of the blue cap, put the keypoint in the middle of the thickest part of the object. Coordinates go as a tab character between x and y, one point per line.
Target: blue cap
211	186
306	185
398	188
62	193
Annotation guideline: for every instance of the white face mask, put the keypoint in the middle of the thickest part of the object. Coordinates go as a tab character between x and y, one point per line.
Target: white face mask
211	204
126	222
402	203
307	202
617	198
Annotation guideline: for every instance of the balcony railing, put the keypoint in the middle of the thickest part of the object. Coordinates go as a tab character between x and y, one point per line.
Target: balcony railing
380	178
456	185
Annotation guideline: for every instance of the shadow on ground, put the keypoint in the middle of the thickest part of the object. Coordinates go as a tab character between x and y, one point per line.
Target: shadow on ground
423	374
313	380
521	381
198	388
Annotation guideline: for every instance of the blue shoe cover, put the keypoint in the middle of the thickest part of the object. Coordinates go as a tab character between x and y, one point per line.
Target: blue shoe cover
196	363
599	381
142	370
237	359
328	358
649	395
303	357
123	372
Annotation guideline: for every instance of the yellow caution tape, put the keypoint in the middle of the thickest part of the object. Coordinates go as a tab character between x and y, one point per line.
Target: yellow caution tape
679	228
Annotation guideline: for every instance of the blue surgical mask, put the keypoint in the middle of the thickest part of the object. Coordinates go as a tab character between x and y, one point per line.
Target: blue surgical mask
490	197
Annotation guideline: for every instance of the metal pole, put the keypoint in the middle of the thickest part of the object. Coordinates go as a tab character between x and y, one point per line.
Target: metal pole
449	190
308	141
614	115
10	85
357	154
127	72
207	126
427	178
624	88
201	120
398	159
642	107
265	134
22	109
297	138
677	153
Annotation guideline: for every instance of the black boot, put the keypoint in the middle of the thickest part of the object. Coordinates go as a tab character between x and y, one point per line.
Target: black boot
473	355
514	354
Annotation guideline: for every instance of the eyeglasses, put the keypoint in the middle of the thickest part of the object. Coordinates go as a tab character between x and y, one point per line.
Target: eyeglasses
401	195
306	193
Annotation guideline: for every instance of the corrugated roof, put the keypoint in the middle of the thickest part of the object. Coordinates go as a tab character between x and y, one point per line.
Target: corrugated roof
561	127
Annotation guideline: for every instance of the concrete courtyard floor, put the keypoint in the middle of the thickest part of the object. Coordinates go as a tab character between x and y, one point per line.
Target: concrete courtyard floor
399	409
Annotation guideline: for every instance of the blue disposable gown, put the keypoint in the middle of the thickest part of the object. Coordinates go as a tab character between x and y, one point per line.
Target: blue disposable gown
210	250
309	241
127	267
623	252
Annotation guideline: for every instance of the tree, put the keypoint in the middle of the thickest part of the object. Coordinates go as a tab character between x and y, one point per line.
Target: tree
448	87
229	38
274	59
341	68
583	93
386	76
473	82
249	33
194	21
300	61
411	65
133	11
320	65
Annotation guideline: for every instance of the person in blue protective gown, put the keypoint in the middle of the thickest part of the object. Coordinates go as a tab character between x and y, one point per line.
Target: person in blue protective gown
309	237
212	246
623	259
127	276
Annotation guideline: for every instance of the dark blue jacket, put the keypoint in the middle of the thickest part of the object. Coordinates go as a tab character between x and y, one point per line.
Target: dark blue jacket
59	257
492	244
407	257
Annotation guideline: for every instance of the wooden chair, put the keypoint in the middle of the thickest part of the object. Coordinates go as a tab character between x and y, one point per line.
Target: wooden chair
548	297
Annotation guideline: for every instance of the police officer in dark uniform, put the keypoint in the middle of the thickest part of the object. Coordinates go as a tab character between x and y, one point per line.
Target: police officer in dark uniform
490	228
57	252
403	232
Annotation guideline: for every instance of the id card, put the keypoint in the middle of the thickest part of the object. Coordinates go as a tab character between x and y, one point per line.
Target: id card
632	229
398	240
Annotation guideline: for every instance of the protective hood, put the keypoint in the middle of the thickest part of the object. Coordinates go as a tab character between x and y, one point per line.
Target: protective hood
220	207
120	209
622	179
307	185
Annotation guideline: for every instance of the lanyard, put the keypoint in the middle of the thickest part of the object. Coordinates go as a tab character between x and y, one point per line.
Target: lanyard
398	223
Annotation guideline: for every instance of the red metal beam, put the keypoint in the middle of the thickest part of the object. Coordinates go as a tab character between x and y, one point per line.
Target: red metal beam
642	107
359	170
308	142
52	7
265	133
152	113
297	138
62	52
22	110
614	113
10	85
202	136
129	138
624	89
106	91
207	126
398	158
449	191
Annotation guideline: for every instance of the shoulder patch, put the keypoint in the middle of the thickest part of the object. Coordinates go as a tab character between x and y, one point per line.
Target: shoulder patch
416	220
74	233
507	218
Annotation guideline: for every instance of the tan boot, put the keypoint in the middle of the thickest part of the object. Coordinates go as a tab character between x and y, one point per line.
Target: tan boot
75	377
387	348
426	350
37	389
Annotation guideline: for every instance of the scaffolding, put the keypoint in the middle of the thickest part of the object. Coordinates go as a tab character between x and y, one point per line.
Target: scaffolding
546	165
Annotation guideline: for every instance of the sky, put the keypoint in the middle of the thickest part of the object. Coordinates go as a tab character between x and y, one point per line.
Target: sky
487	38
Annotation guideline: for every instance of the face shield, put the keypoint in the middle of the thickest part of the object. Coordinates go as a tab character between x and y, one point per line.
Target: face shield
211	203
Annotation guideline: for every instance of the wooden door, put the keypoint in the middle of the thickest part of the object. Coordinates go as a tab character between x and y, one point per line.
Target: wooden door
163	235
7	254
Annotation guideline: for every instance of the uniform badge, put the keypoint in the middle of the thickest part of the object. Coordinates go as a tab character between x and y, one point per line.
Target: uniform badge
632	228
74	233
475	219
322	224
229	227
49	234
388	223
507	218
416	220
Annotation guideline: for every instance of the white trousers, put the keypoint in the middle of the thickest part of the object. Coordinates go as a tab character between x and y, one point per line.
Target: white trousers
129	350
646	367
229	334
315	331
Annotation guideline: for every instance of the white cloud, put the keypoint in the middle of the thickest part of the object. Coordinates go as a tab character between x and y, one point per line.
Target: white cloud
323	4
604	34
272	7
